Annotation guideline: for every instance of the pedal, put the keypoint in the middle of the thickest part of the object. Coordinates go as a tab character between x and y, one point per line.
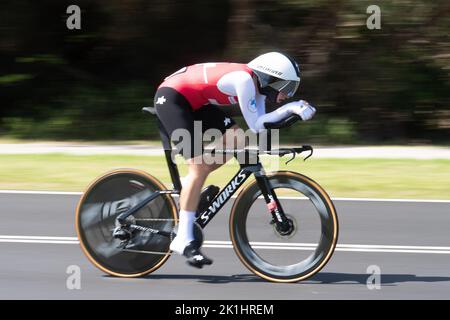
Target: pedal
205	198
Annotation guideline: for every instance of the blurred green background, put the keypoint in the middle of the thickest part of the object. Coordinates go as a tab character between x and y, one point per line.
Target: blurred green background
370	86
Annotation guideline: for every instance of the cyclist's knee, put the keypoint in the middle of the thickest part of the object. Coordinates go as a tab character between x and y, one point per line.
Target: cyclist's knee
200	170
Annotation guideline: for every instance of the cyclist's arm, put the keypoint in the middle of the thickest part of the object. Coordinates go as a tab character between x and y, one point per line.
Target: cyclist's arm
301	107
251	103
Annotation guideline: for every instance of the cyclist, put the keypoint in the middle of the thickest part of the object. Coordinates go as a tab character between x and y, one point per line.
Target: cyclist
193	94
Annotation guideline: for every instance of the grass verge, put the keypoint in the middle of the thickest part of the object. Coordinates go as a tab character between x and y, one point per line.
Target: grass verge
399	178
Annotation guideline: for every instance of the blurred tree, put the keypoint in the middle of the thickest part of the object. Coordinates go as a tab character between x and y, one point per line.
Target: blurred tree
388	84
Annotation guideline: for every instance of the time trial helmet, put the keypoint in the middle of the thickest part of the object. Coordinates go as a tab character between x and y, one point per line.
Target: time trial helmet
276	72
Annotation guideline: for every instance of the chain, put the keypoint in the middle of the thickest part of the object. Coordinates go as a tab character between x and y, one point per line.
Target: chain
147	252
153	219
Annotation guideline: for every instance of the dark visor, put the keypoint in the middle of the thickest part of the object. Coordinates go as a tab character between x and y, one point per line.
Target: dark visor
287	87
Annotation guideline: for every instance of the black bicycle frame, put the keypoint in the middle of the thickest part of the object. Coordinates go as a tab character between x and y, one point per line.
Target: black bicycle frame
233	185
246	170
226	193
223	196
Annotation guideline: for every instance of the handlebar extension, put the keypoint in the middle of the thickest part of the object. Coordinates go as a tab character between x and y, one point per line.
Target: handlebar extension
283	123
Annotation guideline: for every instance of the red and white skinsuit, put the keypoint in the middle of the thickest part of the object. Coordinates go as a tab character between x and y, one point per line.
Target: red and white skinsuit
224	83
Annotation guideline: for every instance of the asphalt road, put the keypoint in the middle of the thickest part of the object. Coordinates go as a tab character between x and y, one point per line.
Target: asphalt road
408	242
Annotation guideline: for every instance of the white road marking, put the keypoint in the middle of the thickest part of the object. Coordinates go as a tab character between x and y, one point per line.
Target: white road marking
388	200
393	152
39	241
64	193
39	238
255	245
281	197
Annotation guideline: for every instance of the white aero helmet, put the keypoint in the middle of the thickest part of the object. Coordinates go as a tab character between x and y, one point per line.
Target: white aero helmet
276	73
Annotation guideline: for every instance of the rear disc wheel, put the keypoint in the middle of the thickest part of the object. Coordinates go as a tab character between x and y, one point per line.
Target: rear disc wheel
106	198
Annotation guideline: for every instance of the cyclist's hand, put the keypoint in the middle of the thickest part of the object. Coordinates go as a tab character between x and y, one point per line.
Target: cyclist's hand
305	110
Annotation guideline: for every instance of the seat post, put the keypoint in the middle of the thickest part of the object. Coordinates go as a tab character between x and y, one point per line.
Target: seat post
173	169
269	139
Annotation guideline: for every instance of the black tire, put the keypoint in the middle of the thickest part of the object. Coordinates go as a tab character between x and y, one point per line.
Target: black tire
283	261
108	196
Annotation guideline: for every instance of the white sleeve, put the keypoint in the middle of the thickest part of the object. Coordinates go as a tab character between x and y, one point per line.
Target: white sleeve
278	114
251	103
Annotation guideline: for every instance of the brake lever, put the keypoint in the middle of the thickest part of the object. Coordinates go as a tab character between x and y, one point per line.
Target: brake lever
294	154
307	148
300	150
284	151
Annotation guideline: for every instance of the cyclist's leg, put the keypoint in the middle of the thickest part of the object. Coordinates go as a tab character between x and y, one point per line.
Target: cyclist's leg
198	171
215	121
177	118
199	167
176	113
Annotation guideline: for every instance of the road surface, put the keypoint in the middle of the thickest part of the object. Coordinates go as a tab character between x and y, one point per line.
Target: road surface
407	241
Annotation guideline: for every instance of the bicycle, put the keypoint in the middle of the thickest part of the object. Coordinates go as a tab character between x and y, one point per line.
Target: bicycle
127	218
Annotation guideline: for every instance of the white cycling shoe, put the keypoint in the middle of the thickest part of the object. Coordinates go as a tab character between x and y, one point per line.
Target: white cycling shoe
191	251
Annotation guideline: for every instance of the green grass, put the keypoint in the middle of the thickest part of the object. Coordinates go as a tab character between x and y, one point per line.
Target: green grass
13	140
425	179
